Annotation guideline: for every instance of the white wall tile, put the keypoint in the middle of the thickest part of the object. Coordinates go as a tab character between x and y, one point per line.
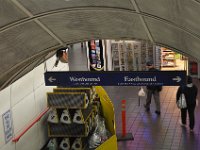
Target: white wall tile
30	140
9	146
40	99
4	100
4	107
2	139
43	132
23	113
50	63
21	88
61	66
58	68
38	74
49	88
65	67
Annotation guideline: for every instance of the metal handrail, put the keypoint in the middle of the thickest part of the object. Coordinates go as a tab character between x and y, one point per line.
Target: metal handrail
16	139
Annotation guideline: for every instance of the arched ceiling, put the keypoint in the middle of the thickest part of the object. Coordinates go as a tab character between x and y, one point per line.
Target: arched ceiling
29	29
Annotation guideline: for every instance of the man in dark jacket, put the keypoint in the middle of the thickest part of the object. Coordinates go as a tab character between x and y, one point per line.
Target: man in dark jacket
153	90
190	92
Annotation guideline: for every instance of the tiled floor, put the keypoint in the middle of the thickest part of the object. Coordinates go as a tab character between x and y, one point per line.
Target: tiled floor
152	132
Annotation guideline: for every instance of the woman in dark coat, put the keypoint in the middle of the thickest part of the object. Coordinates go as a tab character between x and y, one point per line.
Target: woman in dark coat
190	92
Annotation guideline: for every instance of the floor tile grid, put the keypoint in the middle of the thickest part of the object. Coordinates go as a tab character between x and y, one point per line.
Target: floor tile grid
149	130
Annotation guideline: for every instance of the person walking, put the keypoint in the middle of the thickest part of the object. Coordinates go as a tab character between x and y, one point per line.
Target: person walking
190	91
153	91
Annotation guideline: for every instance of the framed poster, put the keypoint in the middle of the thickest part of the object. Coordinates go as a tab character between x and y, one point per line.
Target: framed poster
7	124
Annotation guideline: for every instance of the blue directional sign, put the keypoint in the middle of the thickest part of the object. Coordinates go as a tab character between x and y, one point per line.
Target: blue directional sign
113	78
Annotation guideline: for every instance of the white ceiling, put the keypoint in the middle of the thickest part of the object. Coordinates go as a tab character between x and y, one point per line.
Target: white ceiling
29	29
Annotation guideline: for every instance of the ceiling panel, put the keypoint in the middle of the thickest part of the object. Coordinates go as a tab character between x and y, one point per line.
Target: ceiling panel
9	13
182	13
76	26
193	45
174	37
40	6
197	1
22	42
168	21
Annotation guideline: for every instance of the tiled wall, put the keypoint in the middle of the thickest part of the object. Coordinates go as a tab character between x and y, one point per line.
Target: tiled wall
26	98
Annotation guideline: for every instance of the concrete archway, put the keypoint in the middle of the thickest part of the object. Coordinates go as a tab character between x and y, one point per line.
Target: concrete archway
33	29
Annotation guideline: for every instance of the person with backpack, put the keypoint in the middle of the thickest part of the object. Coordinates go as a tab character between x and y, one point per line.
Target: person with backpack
153	91
190	92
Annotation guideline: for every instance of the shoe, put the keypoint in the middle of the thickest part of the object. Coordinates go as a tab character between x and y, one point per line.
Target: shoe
157	112
146	108
182	125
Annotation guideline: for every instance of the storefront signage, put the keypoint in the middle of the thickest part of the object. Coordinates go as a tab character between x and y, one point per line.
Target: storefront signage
113	78
7	123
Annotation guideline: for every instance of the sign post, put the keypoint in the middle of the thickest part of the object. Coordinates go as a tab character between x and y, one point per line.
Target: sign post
124	135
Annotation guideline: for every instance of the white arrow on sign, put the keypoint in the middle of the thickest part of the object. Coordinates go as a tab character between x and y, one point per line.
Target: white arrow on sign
51	79
177	79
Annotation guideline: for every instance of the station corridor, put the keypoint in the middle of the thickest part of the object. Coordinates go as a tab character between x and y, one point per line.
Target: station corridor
33	32
152	132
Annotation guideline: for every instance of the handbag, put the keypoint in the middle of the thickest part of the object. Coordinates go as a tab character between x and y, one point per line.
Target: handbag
141	92
181	103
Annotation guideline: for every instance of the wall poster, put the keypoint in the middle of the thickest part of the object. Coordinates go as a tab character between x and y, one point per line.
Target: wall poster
7	123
